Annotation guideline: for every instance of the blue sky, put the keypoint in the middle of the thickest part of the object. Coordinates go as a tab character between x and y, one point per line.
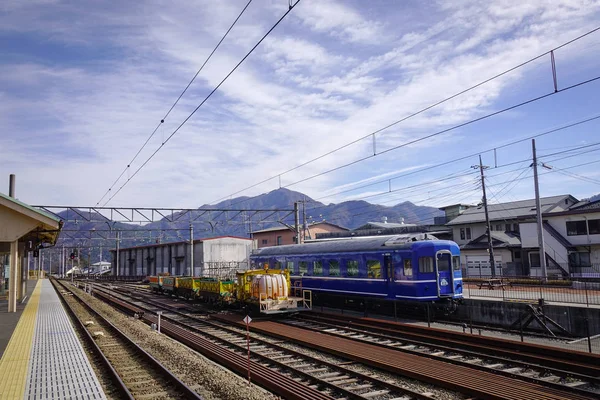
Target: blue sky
83	84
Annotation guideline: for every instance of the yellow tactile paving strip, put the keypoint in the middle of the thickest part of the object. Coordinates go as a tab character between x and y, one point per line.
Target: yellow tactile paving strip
15	360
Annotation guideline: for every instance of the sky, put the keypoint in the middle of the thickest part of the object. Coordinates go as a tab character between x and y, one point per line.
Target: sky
84	84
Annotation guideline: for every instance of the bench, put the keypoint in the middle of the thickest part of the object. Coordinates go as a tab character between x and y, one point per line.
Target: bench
494	283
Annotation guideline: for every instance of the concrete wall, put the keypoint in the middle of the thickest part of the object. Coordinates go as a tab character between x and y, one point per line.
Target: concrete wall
174	258
505	313
225	251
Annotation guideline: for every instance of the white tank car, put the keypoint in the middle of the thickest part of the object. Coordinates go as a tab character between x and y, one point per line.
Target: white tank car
271	286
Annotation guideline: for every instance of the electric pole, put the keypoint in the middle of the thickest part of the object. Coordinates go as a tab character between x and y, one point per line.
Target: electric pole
538	209
481	167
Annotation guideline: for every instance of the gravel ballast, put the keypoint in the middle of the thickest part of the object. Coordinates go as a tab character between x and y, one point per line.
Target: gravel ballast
210	380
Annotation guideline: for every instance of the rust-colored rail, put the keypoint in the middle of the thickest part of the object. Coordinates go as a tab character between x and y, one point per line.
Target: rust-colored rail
566	360
454	377
279	384
163	376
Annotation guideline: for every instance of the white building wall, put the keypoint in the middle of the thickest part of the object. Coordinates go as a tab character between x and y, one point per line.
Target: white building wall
476	231
560	224
529	236
227	251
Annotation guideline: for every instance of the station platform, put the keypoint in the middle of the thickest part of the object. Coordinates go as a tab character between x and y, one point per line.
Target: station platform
44	358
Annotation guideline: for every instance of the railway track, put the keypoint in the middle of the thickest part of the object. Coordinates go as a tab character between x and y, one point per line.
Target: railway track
134	372
335	379
552	376
563	363
472	381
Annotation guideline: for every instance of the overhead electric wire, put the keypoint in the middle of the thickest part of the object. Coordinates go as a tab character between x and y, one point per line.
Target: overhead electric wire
291	7
445	130
464	157
383	193
176	101
413	115
479	186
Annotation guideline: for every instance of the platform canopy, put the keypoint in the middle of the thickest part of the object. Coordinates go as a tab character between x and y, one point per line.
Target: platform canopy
19	221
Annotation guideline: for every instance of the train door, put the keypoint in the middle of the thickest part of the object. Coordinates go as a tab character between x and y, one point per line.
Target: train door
443	267
388	271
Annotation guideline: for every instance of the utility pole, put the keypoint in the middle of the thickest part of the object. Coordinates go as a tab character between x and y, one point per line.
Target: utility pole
297	223
191	272
538	208
481	167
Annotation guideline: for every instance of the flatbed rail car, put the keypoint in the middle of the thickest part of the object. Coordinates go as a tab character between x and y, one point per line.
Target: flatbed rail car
208	289
262	291
409	268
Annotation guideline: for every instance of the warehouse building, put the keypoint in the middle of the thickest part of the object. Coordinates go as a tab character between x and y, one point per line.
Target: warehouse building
216	257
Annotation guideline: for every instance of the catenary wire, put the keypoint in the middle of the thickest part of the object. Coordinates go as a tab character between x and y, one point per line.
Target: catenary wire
176	101
291	7
411	115
479	186
463	157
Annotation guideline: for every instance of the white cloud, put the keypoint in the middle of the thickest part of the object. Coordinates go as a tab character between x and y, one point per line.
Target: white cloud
340	21
328	75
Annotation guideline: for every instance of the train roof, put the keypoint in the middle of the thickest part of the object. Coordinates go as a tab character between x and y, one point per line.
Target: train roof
352	244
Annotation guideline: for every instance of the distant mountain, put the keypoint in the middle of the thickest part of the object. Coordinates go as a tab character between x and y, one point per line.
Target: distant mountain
596	197
350	214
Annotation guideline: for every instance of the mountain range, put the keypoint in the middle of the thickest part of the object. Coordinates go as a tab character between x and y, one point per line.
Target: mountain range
349	214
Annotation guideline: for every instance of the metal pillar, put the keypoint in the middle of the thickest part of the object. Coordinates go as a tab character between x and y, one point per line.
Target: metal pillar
14	276
538	209
297	223
191	272
117	266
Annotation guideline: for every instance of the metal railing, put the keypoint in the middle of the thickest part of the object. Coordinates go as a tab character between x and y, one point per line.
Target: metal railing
572	291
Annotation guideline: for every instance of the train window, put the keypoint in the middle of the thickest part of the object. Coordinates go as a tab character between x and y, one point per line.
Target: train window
456	263
334	268
352	268
443	262
290	265
302	267
277	265
425	264
408	272
374	269
318	268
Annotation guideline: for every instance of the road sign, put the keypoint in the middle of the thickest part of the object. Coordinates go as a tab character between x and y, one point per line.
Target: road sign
247	319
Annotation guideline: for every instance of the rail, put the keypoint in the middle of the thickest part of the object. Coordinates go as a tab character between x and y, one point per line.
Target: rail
574	361
279	384
154	364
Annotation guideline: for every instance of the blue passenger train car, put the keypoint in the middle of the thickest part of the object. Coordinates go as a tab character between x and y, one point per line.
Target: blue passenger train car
414	268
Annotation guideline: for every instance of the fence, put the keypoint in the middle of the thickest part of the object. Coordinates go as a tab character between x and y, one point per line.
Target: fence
582	292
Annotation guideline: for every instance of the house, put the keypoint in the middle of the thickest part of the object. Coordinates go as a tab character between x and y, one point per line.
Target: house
571	236
215	257
282	235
